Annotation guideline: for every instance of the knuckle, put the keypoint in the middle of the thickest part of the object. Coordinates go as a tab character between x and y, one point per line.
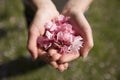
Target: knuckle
53	64
61	68
66	65
91	45
55	57
61	60
77	55
52	52
30	49
74	12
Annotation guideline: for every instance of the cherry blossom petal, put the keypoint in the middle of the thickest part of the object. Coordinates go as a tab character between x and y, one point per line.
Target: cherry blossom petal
59	33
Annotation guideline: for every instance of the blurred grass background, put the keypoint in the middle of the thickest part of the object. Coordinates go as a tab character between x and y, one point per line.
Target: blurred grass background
103	62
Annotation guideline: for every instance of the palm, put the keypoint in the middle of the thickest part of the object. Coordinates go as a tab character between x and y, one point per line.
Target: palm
37	29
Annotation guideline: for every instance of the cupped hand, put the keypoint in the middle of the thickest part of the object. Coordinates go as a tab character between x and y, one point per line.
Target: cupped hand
75	10
44	13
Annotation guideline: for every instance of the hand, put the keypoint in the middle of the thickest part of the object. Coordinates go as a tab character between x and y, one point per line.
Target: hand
45	12
75	9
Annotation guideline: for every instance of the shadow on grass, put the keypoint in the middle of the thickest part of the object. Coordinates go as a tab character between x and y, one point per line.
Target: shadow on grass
118	75
2	33
7	30
19	66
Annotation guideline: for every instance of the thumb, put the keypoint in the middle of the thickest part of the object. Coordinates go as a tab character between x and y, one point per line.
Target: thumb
32	43
68	57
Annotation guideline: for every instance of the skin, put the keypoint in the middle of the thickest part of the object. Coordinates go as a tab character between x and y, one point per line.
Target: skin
43	14
81	25
76	9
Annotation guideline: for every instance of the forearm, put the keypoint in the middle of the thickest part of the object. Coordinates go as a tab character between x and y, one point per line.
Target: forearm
81	5
41	3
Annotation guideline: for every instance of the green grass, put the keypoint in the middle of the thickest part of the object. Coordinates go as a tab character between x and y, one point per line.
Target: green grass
102	62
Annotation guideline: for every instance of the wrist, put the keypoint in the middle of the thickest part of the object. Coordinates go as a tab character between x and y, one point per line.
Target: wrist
80	5
41	3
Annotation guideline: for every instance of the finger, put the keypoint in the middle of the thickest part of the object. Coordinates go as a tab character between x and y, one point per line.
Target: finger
61	68
68	57
85	49
41	52
66	65
52	51
86	33
84	54
65	12
32	44
47	58
56	57
54	54
54	64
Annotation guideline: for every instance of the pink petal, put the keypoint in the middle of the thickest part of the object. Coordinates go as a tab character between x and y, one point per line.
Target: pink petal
44	42
59	33
48	25
53	27
64	49
49	35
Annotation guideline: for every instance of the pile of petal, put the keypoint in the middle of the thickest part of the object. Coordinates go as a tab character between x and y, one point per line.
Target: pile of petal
60	35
